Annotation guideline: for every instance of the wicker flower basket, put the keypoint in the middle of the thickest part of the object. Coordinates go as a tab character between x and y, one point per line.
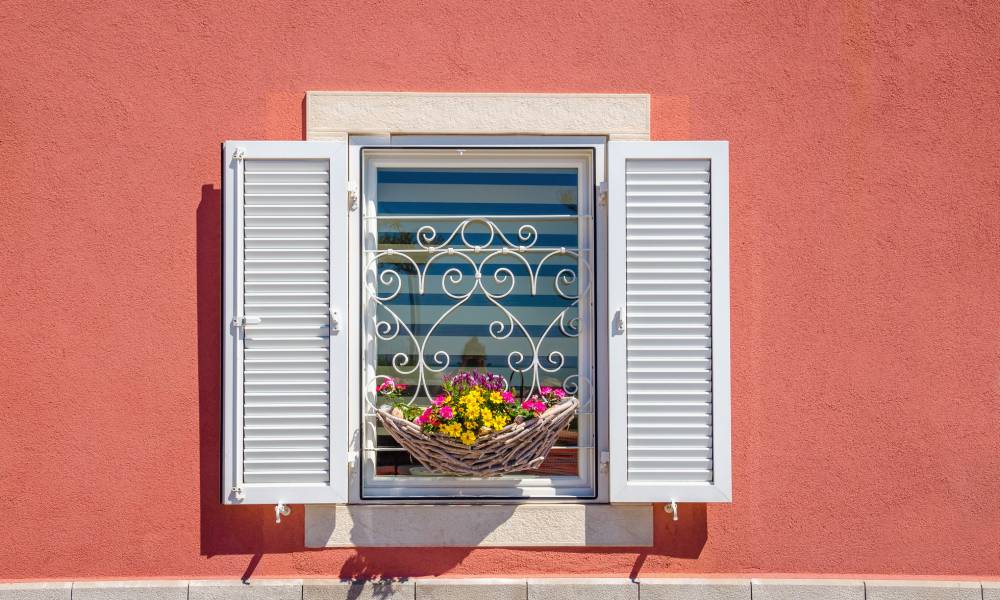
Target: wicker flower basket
516	447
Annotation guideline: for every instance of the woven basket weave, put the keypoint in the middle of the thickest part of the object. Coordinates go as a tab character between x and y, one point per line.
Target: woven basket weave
516	447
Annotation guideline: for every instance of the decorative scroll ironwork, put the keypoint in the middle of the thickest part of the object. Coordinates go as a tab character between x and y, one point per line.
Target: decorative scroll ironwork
533	361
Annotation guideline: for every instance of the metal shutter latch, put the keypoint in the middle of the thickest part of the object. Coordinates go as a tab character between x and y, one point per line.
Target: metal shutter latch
240	322
620	321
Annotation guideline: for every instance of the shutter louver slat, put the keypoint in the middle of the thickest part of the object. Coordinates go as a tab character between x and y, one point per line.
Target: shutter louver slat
669	429
284	428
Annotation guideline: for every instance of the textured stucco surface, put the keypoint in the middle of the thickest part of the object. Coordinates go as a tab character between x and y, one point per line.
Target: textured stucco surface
865	230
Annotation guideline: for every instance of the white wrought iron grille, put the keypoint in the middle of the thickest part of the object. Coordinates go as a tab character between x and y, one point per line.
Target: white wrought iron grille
484	267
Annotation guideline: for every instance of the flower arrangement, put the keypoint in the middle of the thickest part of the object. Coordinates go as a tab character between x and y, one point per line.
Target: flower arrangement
476	426
470	405
390	389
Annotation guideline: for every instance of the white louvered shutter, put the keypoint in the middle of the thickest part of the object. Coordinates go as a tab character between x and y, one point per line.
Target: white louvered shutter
668	302
285	297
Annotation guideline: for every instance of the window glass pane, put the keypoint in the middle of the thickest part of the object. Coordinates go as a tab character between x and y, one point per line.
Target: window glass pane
477	269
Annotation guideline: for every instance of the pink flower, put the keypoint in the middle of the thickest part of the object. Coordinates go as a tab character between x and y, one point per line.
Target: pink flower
424	417
535	405
439	400
559	393
390	385
545	390
446	412
507	397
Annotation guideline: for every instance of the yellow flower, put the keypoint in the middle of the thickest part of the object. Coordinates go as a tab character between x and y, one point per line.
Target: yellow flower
495	422
496	397
468	438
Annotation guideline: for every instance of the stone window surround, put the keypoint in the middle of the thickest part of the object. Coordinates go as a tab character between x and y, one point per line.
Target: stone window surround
339	115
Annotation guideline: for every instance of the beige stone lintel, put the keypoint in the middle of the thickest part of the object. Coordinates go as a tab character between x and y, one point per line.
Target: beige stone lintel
333	115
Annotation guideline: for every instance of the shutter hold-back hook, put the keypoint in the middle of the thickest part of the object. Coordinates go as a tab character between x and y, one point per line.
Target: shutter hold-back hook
671	509
281	510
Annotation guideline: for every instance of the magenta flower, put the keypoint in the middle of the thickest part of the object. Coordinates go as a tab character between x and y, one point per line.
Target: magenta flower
439	400
507	397
389	386
559	393
446	412
424	417
545	390
535	405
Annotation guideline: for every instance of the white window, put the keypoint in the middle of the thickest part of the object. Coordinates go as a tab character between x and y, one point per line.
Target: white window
478	259
512	255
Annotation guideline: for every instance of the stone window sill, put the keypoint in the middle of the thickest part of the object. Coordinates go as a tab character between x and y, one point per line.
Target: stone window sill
478	525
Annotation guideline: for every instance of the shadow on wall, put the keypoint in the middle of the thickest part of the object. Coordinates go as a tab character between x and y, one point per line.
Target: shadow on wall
683	539
224	529
250	530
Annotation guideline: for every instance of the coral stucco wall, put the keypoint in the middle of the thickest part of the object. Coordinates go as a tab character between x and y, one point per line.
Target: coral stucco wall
865	220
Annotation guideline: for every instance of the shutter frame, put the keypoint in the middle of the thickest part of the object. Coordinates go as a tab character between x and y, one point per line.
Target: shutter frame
622	489
335	489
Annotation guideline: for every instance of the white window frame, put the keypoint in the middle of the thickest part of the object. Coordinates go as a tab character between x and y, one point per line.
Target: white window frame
432	491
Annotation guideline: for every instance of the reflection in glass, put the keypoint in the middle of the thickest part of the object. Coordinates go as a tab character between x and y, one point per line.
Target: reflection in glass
477	270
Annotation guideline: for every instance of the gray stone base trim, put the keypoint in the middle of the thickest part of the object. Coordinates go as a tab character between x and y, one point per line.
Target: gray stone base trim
36	591
127	590
923	590
808	589
582	589
694	589
476	589
554	588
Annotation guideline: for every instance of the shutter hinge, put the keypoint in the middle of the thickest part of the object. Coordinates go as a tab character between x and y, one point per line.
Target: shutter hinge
620	321
671	509
240	153
334	321
605	464
352	459
352	195
237	494
241	322
602	193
